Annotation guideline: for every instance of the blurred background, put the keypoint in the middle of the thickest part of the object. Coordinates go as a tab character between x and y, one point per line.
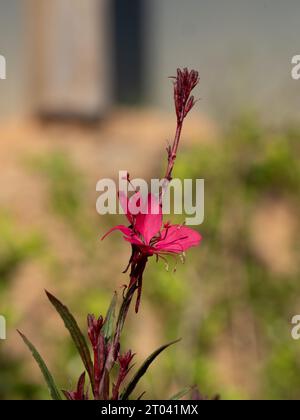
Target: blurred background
87	94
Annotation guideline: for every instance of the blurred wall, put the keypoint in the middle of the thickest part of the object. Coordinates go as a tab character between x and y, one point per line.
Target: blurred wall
74	69
14	46
242	48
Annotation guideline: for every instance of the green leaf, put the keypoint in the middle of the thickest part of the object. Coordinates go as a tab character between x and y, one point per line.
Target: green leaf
54	392
143	369
181	393
76	334
110	319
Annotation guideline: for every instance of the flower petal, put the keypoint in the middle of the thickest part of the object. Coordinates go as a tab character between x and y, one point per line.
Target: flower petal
125	204
177	239
148	223
135	240
126	230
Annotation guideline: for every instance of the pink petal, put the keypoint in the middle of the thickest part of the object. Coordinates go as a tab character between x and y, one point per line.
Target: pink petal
177	239
149	250
134	240
149	222
125	204
127	231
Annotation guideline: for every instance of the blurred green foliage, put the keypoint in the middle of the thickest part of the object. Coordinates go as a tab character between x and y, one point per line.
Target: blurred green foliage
15	247
12	384
65	183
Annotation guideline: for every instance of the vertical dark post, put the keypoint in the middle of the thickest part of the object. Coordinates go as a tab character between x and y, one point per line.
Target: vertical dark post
129	50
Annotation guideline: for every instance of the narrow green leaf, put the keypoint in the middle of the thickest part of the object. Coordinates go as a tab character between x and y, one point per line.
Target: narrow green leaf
181	393
110	319
54	392
141	396
76	334
143	369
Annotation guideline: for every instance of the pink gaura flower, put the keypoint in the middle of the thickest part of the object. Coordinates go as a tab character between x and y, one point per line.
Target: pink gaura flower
148	236
147	231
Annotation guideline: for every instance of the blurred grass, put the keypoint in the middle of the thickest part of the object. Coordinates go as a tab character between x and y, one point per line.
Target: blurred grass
15	247
231	305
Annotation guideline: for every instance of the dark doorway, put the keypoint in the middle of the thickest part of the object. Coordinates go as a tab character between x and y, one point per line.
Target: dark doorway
128	18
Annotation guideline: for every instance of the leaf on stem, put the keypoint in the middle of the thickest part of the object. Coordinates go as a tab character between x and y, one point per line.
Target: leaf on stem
110	319
181	393
143	369
54	392
76	334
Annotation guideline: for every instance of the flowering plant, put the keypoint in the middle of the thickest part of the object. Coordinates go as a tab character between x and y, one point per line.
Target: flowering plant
148	236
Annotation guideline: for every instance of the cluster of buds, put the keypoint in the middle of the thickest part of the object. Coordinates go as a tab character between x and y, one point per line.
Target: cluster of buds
184	83
124	368
94	329
100	350
79	394
101	376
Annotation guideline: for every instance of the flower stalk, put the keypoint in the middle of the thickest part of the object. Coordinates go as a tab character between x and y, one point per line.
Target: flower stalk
148	236
184	83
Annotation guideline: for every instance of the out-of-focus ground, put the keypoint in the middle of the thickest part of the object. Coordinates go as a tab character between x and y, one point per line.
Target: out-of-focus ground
231	302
